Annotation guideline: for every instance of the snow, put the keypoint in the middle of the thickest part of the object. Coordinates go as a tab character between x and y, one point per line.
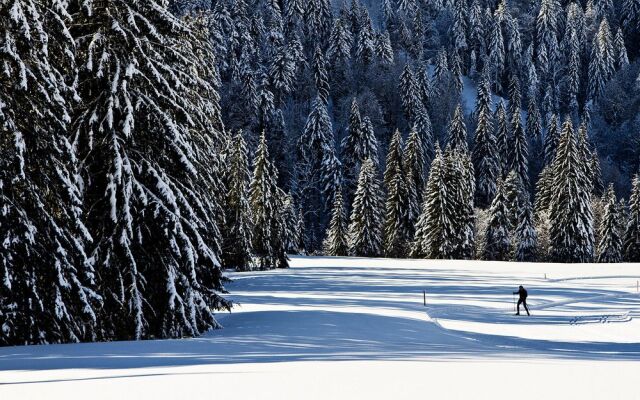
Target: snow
351	328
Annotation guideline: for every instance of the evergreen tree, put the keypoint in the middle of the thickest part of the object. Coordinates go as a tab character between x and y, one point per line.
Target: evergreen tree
149	130
435	230
47	281
458	131
414	166
340	42
503	138
383	48
320	76
264	203
369	142
337	239
236	249
395	222
352	149
365	235
526	238
485	155
632	232
498	236
460	175
601	65
318	153
621	57
610	232
516	195
520	151
570	211
551	140
534	125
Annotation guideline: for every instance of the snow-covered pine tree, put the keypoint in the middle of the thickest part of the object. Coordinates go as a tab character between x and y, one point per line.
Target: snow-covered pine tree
460	176
485	155
47	282
534	123
457	139
290	220
395	228
424	129
610	230
459	26
336	242
352	146
632	231
573	71
551	138
340	42
502	138
498	235
317	150
320	76
570	213
236	233
369	142
496	53
409	91
516	195
264	207
365	227
520	151
414	166
526	238
456	72
620	50
435	226
602	62
383	49
148	129
365	43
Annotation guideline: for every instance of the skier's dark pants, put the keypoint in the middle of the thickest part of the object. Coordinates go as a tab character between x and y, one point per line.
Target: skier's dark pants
524	303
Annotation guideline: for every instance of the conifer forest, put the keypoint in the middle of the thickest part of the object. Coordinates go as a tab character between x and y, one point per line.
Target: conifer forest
149	145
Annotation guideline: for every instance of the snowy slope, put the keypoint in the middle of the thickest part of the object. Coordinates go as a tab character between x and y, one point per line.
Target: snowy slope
357	328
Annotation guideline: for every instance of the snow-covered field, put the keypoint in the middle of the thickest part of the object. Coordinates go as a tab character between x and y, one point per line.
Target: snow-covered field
332	328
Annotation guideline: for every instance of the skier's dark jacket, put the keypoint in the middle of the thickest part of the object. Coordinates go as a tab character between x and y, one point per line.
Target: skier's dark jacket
522	292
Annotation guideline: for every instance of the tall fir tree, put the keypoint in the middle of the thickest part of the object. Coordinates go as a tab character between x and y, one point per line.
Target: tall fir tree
414	167
458	131
610	230
570	212
602	63
265	206
503	138
485	155
632	230
498	235
337	239
526	237
365	227
395	227
236	235
148	130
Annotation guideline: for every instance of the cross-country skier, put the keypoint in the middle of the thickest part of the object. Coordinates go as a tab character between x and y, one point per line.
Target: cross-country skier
522	299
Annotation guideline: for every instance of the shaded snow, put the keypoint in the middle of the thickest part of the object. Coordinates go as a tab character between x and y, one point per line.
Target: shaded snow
357	328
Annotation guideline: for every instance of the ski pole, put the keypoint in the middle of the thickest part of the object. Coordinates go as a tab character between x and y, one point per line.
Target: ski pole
513	298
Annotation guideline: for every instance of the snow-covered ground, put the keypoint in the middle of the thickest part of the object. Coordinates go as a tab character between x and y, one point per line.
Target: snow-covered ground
351	328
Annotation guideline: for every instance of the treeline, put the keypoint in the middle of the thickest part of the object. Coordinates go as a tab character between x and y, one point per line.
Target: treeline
567	223
296	70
